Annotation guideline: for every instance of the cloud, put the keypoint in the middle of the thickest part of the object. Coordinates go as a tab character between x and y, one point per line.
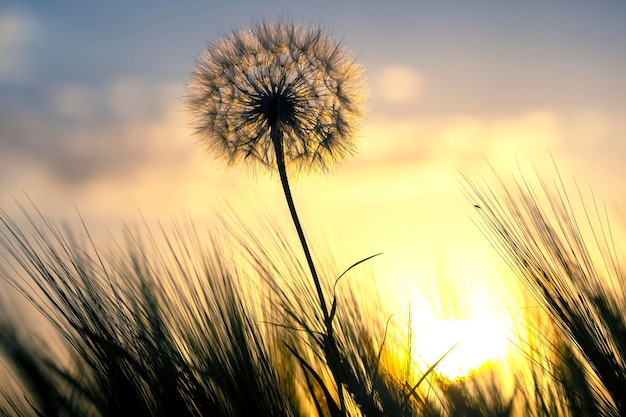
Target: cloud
132	98
72	101
110	152
410	167
85	134
17	32
459	140
398	84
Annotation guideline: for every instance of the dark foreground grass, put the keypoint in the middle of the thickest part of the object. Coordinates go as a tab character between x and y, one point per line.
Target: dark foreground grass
150	331
564	252
178	322
173	325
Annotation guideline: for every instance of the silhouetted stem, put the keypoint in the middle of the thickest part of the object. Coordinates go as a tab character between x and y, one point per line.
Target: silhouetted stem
282	171
330	348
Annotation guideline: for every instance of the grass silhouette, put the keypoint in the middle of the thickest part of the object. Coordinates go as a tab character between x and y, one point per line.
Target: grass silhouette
151	331
226	323
170	325
570	262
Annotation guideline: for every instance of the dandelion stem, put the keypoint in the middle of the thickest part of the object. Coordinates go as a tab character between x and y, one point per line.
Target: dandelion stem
282	171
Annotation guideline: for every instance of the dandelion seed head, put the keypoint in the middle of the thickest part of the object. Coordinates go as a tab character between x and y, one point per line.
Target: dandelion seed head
295	79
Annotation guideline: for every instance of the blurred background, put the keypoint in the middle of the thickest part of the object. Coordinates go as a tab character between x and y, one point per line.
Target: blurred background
92	119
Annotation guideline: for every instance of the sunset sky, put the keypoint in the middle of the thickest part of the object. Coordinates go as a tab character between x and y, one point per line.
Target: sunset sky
92	117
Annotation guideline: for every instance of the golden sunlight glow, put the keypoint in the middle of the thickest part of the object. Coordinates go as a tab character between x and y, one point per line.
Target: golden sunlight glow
476	341
398	84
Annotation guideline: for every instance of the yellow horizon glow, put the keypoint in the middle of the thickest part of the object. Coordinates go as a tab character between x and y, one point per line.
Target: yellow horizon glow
471	343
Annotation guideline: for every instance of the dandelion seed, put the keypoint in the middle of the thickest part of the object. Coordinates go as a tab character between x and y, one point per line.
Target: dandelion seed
277	90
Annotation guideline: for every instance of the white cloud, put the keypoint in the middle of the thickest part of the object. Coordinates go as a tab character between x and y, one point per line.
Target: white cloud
126	100
461	141
130	99
74	101
17	31
398	84
88	135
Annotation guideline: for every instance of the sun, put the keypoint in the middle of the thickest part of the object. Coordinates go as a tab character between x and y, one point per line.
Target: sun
471	344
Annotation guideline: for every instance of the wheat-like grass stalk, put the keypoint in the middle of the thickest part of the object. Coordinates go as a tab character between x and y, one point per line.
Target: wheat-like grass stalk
564	251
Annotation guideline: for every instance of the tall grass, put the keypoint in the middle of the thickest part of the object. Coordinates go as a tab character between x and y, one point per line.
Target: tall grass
175	321
564	251
158	329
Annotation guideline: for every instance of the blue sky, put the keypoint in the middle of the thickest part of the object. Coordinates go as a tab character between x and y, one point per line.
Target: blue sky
91	112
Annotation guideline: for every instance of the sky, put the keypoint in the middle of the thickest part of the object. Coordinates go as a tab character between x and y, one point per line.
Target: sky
92	119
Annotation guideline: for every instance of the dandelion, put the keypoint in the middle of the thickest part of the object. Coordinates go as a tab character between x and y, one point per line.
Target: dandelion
277	91
282	95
